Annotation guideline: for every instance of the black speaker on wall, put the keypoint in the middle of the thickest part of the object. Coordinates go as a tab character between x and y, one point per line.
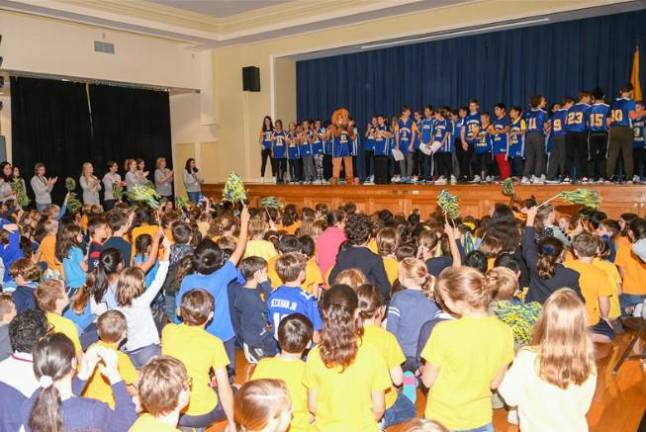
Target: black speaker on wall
251	78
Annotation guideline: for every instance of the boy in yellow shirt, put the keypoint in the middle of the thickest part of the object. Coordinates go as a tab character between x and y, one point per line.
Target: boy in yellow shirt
595	285
112	329
287	244
294	336
612	272
202	354
313	277
163	392
52	299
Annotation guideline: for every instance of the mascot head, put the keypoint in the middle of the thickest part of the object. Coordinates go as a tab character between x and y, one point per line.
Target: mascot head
340	119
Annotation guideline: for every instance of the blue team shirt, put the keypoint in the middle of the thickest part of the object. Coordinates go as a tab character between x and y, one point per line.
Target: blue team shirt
471	123
500	141
280	144
483	144
441	133
457	128
305	148
266	139
286	301
382	144
405	134
516	139
425	127
369	143
620	112
577	118
638	129
317	142
558	122
535	119
293	152
342	145
597	117
354	149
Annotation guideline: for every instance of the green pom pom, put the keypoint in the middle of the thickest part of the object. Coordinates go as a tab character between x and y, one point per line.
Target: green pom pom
70	184
583	197
73	203
145	194
271	202
450	204
18	187
180	202
508	187
234	190
117	191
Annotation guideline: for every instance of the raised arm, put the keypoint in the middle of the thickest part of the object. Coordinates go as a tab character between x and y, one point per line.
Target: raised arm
530	252
242	240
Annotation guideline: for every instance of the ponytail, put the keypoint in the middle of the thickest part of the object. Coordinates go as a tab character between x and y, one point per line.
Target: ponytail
370	302
338	346
550	250
98	281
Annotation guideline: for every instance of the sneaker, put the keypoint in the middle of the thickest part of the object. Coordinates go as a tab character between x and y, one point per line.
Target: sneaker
637	311
369	181
636	179
409	387
453	180
262	180
274	180
476	179
585	180
441	181
316	182
566	180
395	179
489	179
525	181
553	181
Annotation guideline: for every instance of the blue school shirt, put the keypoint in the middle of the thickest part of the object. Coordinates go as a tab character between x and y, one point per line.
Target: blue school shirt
382	144
620	112
266	139
74	274
305	148
471	123
280	144
517	139
558	119
441	133
535	119
354	150
317	142
342	145
293	152
638	129
216	284
426	129
483	144
597	117
500	141
405	134
577	118
369	143
82	320
286	301
457	128
11	252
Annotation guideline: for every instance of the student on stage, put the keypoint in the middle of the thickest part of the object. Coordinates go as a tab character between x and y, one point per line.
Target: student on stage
110	179
622	113
556	164
468	139
405	135
318	151
193	180
354	150
482	151
279	151
163	179
425	127
418	157
307	155
42	186
395	172
265	141
443	155
89	184
369	151
638	143
576	139
383	137
517	129
598	141
328	151
499	131
536	118
293	153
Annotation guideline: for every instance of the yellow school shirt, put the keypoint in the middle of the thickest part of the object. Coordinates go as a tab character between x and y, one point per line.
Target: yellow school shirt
613	275
386	343
271	273
372	245
60	324
292	373
313	276
392	268
594	284
148	423
98	387
633	268
469	352
260	248
344	398
47	253
199	351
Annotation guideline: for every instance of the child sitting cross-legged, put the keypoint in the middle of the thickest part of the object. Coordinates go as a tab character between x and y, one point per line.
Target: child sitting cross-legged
294	336
202	353
26	274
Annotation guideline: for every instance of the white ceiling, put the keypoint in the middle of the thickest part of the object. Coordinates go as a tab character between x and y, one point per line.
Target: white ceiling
219	8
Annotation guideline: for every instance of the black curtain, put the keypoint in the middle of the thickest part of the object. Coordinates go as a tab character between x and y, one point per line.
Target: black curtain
65	124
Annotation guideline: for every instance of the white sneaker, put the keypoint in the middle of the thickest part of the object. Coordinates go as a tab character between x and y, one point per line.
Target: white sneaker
637	312
489	179
274	180
395	179
636	179
476	179
316	182
566	180
454	180
441	181
525	181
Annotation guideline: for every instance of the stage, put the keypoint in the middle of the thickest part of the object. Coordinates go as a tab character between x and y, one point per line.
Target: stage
475	200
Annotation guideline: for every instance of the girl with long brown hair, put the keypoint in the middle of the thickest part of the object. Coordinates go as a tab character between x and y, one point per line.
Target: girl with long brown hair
346	378
552	382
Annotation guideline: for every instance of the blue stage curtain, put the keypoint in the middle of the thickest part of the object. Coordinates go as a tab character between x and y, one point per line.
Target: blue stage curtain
555	60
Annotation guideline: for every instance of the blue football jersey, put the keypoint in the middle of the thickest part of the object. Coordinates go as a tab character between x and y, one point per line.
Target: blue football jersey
342	145
405	134
638	129
354	148
500	141
280	144
382	144
558	120
577	118
620	112
457	128
517	138
266	139
441	133
426	129
597	117
535	119
369	142
317	141
286	301
305	148
472	125
483	143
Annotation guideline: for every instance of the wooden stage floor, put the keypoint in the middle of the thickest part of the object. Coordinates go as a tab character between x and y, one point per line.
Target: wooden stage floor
475	200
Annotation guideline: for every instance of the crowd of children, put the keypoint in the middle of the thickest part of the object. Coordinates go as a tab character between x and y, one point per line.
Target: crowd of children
573	141
130	319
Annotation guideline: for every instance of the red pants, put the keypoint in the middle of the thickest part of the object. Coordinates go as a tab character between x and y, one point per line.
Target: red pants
503	166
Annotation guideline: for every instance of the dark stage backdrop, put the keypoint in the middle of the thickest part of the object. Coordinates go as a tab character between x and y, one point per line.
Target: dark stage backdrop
507	66
65	124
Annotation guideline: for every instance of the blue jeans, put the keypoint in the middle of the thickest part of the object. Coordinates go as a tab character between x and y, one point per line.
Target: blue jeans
485	428
402	411
140	356
627	300
194	196
170	308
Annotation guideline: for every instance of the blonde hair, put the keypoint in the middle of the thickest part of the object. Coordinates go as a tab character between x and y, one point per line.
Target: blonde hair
414	271
565	349
424	425
503	282
257	227
352	277
259	403
130	285
464	284
160	385
85	166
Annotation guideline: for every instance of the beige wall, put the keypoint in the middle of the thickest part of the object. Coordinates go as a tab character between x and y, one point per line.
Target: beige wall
241	112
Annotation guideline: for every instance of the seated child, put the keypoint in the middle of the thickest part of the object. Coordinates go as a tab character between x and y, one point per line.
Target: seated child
294	336
69	251
163	391
10	249
52	299
387	243
26	275
286	244
112	330
290	298
257	246
313	278
7	313
99	232
263	405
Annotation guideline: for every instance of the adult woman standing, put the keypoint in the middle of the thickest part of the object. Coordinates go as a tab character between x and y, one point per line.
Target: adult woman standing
42	186
110	178
163	179
6	176
265	141
90	184
134	177
193	180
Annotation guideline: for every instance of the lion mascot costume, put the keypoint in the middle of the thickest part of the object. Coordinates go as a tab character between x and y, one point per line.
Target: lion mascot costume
341	131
